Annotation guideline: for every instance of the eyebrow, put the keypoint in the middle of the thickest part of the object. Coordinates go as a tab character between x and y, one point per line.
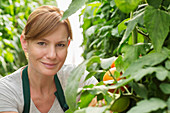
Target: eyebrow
57	42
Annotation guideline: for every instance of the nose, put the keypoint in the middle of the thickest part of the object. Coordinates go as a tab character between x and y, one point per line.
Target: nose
52	53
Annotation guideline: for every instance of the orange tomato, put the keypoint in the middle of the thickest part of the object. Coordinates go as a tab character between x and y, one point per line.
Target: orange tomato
113	64
107	76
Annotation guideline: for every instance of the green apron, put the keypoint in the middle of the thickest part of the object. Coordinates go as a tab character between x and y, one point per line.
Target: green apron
26	92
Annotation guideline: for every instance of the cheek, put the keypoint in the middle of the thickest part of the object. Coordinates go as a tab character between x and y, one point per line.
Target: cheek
35	53
62	55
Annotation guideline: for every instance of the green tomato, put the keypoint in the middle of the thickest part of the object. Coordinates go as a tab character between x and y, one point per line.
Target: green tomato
120	104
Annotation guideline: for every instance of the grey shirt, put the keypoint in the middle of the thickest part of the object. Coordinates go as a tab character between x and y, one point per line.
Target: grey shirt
11	91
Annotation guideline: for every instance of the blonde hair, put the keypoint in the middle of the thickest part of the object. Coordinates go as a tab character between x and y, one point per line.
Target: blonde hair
43	21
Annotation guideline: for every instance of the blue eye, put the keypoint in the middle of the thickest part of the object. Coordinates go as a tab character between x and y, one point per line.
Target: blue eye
41	43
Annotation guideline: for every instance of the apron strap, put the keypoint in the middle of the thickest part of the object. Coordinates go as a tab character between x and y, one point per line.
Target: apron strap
60	94
26	92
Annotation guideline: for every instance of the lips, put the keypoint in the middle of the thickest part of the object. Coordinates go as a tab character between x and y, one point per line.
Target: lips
49	65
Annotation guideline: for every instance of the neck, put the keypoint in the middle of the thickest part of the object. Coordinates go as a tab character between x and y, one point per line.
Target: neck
41	84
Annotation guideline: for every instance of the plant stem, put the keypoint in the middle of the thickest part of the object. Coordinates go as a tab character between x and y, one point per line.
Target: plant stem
113	76
134	32
134	36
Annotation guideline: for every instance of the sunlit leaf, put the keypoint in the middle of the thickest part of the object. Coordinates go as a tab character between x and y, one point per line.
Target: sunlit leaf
106	63
167	64
9	56
90	31
98	89
157	24
127	6
4	65
104	29
165	87
94	42
147	106
122	25
147	60
115	32
73	7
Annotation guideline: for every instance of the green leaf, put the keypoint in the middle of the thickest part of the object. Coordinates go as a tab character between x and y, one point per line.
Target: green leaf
74	79
94	42
157	24
114	32
4	64
167	64
122	25
9	56
85	98
132	52
119	64
91	110
147	106
168	103
90	75
161	73
95	90
154	3
68	111
72	85
138	75
90	31
165	87
73	7
140	89
106	63
130	27
92	60
127	6
147	60
103	29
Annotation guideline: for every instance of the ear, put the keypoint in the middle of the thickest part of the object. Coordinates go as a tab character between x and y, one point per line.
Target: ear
23	43
69	42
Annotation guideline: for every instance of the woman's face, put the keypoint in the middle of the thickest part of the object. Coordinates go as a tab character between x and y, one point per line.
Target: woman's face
47	54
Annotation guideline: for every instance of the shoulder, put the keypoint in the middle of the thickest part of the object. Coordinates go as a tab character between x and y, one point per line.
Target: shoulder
11	91
12	80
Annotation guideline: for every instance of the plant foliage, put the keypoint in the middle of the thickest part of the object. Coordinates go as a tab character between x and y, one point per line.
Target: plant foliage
138	37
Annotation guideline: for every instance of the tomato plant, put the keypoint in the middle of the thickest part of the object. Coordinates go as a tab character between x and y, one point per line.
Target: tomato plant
137	40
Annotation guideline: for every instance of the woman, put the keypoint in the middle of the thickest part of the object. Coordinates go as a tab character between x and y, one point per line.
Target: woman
36	87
